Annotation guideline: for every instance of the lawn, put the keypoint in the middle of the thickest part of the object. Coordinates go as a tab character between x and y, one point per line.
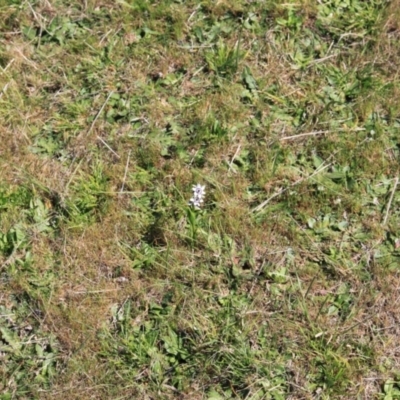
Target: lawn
281	280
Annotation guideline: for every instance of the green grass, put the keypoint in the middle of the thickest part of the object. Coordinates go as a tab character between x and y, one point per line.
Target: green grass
284	285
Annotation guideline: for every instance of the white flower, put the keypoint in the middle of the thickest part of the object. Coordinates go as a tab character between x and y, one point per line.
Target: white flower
199	191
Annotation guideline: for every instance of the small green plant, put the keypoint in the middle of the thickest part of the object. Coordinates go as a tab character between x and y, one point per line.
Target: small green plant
339	17
292	21
29	356
343	302
13	240
391	390
49	143
224	60
88	198
193	217
41	216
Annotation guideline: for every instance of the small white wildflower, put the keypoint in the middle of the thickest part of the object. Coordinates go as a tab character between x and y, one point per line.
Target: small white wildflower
199	191
121	279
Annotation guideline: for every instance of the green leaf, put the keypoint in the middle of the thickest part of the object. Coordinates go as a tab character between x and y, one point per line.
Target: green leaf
171	342
11	338
249	79
213	395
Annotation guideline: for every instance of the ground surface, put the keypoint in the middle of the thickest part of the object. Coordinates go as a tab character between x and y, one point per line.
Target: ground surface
285	285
